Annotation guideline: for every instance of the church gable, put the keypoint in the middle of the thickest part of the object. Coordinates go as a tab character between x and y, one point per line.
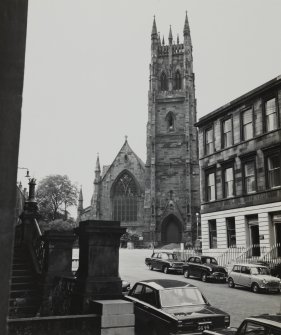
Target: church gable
122	188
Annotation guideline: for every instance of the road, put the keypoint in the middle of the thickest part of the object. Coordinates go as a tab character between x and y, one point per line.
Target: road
238	302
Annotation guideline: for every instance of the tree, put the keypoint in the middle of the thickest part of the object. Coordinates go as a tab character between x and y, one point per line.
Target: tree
55	193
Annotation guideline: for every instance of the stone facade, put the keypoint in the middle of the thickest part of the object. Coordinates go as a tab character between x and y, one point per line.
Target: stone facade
167	186
172	173
240	170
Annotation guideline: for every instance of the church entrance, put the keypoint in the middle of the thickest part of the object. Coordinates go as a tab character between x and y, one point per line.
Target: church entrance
171	231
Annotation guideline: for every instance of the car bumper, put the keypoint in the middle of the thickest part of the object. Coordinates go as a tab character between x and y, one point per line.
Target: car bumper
217	276
270	289
175	269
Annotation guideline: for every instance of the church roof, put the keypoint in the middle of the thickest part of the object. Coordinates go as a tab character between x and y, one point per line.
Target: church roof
125	148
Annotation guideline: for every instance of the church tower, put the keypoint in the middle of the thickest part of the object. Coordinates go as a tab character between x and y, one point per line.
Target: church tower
172	171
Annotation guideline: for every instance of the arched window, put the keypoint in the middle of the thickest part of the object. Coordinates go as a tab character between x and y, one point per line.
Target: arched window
170	118
124	198
178	80
163	82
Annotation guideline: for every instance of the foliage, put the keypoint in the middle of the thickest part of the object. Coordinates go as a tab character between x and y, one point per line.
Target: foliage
58	224
55	193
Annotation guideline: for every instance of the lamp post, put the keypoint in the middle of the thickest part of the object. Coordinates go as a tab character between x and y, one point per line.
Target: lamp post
27	171
197	225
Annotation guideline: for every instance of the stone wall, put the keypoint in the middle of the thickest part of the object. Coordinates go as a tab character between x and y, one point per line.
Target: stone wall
13	21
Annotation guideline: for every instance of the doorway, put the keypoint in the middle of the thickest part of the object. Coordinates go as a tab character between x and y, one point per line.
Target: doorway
255	238
171	230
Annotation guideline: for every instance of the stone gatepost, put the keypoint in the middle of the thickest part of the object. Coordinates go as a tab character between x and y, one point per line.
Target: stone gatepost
58	262
98	272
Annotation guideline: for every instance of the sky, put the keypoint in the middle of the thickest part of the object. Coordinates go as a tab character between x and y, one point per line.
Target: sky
87	72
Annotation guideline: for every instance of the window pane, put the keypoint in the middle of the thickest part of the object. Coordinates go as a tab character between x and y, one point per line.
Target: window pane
271	115
231	233
250	178
125	199
227	133
249	169
248	131
274	171
228	182
209	141
213	234
211	187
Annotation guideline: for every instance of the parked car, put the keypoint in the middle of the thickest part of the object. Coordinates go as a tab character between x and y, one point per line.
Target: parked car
204	267
256	277
165	306
126	286
164	261
256	325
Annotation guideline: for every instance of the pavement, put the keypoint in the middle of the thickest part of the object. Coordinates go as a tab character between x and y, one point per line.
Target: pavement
238	302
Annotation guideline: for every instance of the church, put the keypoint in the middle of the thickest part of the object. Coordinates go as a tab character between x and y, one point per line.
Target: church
158	199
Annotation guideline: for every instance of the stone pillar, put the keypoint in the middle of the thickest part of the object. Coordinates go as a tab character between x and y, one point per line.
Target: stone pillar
98	273
13	21
58	262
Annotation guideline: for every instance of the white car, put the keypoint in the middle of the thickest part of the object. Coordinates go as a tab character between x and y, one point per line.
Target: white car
256	277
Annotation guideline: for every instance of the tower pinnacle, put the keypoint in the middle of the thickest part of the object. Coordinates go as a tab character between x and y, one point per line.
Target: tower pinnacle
170	36
186	30
154	29
97	164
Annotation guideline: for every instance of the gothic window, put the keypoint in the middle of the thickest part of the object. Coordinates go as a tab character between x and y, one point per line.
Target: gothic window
170	121
177	80
125	199
164	82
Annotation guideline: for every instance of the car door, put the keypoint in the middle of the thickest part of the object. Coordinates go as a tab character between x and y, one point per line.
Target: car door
154	316
197	267
136	296
235	273
245	277
190	263
154	260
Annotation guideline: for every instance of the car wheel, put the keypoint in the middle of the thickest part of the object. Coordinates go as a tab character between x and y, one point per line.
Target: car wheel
255	288
186	273
231	283
204	277
165	269
150	267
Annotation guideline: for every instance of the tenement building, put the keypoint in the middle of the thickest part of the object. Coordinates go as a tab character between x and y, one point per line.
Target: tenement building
240	170
159	199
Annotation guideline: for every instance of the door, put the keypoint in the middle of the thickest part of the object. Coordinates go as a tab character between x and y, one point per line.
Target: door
278	238
171	230
255	240
276	218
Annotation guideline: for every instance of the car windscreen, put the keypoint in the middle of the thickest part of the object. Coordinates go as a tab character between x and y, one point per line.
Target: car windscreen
171	257
260	271
209	260
181	297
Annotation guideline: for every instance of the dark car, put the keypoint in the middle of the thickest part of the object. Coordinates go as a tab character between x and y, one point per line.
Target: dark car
165	306
204	267
126	286
256	325
164	261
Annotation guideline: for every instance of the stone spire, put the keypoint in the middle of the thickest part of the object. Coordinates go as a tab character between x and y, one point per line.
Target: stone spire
163	41
170	36
80	200
154	29
186	30
97	170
